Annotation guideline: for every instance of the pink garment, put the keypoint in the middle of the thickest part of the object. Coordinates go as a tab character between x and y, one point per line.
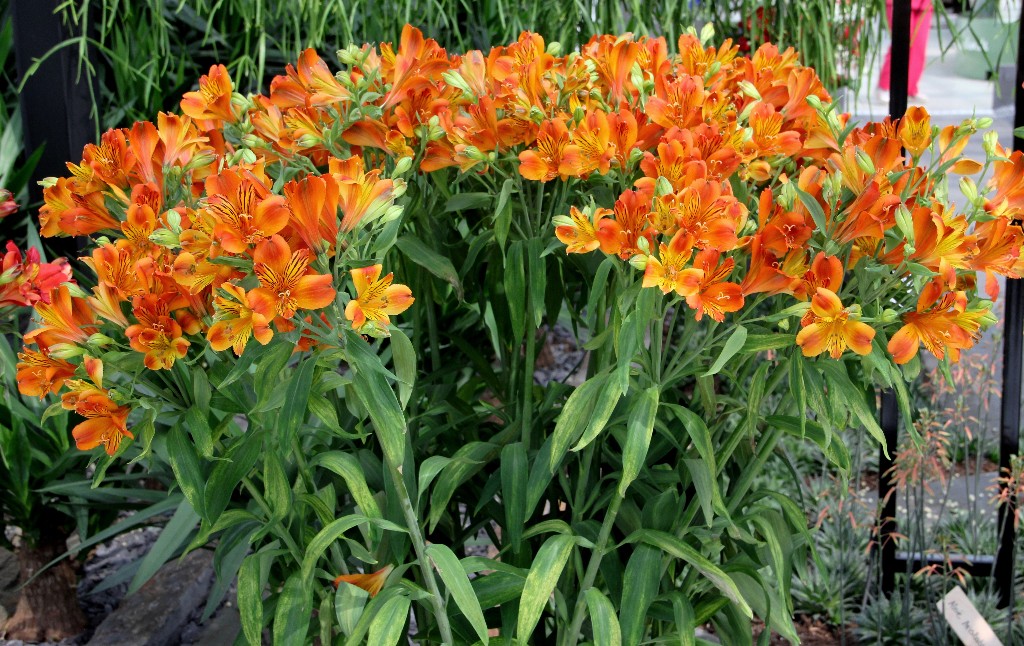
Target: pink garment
920	25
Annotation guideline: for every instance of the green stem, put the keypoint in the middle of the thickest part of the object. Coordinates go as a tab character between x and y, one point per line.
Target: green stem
572	637
768	442
413	524
531	351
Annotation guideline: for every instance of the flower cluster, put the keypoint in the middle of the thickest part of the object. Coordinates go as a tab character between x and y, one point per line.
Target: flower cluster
736	178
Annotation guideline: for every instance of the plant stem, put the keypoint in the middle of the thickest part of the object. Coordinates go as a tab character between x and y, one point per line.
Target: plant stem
413	524
572	637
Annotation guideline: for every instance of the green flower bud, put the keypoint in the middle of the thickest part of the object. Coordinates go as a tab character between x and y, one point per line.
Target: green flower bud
639	262
864	162
663	187
65	351
99	340
969	189
905	222
165	238
402	167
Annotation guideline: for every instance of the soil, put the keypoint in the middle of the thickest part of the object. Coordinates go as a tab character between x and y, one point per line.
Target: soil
813	632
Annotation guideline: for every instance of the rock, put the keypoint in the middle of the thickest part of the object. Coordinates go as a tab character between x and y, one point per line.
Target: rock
222	628
156	614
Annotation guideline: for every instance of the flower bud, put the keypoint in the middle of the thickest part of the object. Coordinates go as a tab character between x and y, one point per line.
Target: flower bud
173	219
393	213
635	155
747	88
65	351
554	48
663	186
165	238
784	324
562	221
643	244
988	319
639	262
990	141
309	141
909	250
47	182
890	316
252	141
864	162
815	102
402	167
579	114
905	222
10	274
399	186
350	56
969	189
707	32
536	115
456	80
985	123
200	160
99	340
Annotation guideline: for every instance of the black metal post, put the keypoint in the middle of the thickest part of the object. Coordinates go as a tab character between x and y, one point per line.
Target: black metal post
899	78
899	81
55	102
889	420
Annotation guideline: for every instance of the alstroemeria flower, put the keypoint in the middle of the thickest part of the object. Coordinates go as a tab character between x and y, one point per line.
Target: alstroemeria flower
239	317
286	284
668	272
372	583
105	422
941	322
915	130
828	327
581	232
376	300
213	100
39	374
711	294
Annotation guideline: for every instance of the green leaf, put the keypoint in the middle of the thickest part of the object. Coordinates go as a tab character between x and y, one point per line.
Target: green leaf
199	427
171	539
503	213
414	249
296	410
698	432
838	379
677	548
404	356
603	409
185	465
729	350
538	279
250	599
576	415
323	539
799	389
349	602
201	393
814	208
639	429
514	478
351	471
277	491
762	342
515	290
707	488
294	608
540	583
380	401
239	461
469	459
640	583
428	470
388	625
603	619
463	201
454	577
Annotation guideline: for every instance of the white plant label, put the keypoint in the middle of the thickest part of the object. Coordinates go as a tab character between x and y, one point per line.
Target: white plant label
966	621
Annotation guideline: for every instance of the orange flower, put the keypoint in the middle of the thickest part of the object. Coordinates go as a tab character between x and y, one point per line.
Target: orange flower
544	163
768	137
668	273
105	422
827	326
66	319
285	281
631	213
372	583
591	148
361	195
376	299
941	323
710	293
582	233
915	130
244	211
160	339
1008	180
314	206
213	100
709	214
25	280
39	374
941	241
239	316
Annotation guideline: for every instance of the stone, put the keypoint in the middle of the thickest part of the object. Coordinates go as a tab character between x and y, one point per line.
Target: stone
8	582
221	629
157	612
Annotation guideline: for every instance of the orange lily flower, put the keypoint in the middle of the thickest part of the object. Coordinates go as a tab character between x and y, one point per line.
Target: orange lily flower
678	101
710	293
631	213
376	300
65	319
583	233
372	583
285	281
314	206
708	213
39	374
949	151
244	210
545	162
668	272
781	230
591	148
239	316
915	130
25	280
827	326
213	100
361	195
998	252
941	241
67	211
160	340
938	323
105	422
1008	180
768	136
